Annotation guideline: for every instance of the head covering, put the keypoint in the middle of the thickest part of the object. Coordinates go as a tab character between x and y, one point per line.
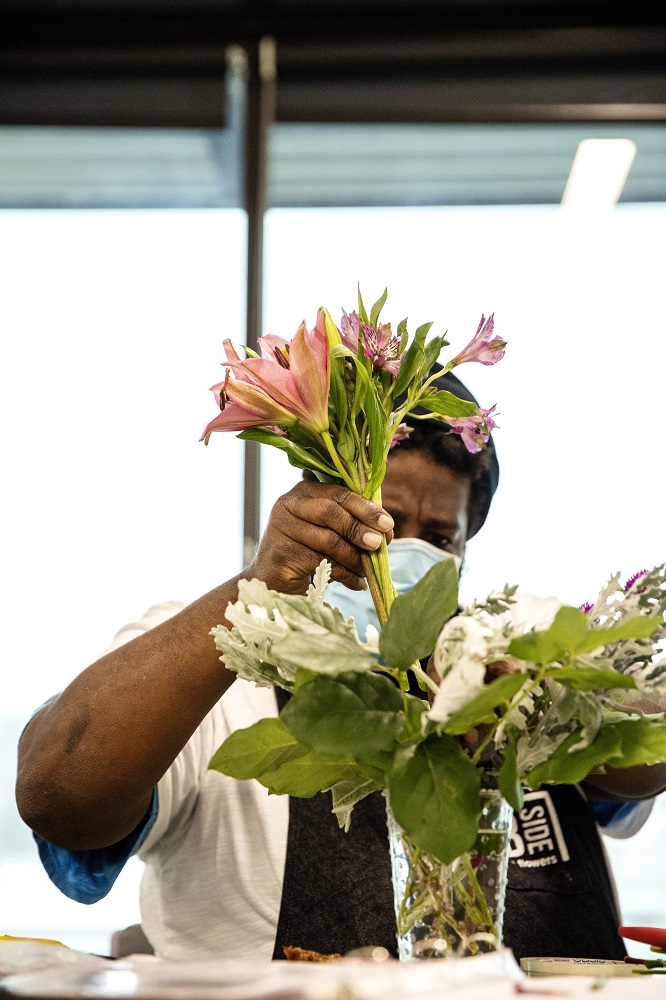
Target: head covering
489	478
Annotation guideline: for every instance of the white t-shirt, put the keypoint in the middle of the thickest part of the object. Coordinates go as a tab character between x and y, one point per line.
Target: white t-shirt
215	856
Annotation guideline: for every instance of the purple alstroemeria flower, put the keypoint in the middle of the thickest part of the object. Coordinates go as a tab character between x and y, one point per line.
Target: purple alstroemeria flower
474	430
380	345
483	347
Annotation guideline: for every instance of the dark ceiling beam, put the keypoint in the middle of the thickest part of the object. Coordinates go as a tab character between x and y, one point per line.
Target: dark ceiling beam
26	22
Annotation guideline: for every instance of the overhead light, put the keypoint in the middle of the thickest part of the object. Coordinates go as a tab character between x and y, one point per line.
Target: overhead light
598	173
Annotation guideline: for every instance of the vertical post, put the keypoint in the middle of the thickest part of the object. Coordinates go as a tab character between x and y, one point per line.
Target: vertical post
260	113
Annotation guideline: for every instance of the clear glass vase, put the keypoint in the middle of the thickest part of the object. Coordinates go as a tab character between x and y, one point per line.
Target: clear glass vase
455	909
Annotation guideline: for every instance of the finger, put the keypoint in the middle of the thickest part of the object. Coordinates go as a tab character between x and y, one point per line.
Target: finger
359	507
322	543
326	511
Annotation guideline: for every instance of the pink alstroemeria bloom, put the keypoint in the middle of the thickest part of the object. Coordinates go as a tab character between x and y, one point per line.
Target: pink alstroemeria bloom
483	346
380	346
288	384
349	330
474	430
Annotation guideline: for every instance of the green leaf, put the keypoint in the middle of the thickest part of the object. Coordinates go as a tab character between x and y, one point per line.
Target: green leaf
447	405
563	767
411	362
508	781
643	742
361	308
351	715
402	333
432	351
346	794
249	753
300	457
415	708
434	794
417	616
324	653
621	744
589	678
337	394
346	447
237	656
572	634
308	774
377	308
481	708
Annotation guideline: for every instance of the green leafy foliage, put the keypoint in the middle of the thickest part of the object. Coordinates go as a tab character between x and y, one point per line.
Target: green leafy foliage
622	744
251	752
481	708
347	793
446	404
434	794
352	714
572	634
508	781
268	752
377	308
590	678
332	654
416	617
412	361
299	457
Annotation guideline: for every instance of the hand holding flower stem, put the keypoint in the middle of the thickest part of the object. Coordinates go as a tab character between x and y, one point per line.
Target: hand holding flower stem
334	399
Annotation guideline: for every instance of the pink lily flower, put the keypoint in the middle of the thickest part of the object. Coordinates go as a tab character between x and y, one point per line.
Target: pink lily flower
289	384
483	346
380	345
474	430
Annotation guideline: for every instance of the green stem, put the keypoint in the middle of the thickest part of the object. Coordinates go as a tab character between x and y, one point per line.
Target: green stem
378	572
421	675
372	576
344	473
516	700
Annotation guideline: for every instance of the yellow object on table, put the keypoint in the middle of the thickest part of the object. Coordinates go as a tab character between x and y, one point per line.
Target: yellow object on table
9	937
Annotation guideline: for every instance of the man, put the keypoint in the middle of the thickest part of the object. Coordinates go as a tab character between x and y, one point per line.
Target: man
118	762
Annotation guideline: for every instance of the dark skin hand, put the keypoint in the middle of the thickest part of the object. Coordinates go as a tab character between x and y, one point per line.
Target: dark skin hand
89	760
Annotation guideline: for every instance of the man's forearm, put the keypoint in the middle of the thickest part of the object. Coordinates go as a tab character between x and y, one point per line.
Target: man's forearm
89	760
626	784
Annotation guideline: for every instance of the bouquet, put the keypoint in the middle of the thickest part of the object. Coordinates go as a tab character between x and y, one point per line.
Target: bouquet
335	399
555	690
563	703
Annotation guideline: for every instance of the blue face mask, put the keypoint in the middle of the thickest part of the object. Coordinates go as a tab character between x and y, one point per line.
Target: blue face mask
409	559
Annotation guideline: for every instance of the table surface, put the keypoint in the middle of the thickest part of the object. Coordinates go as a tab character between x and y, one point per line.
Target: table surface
75	976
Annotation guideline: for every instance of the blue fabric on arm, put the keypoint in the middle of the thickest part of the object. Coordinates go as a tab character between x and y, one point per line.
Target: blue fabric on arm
612	815
87	876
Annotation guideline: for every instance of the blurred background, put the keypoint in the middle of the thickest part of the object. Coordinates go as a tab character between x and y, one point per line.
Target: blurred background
174	172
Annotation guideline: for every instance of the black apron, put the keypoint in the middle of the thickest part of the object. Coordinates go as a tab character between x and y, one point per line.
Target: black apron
337	892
